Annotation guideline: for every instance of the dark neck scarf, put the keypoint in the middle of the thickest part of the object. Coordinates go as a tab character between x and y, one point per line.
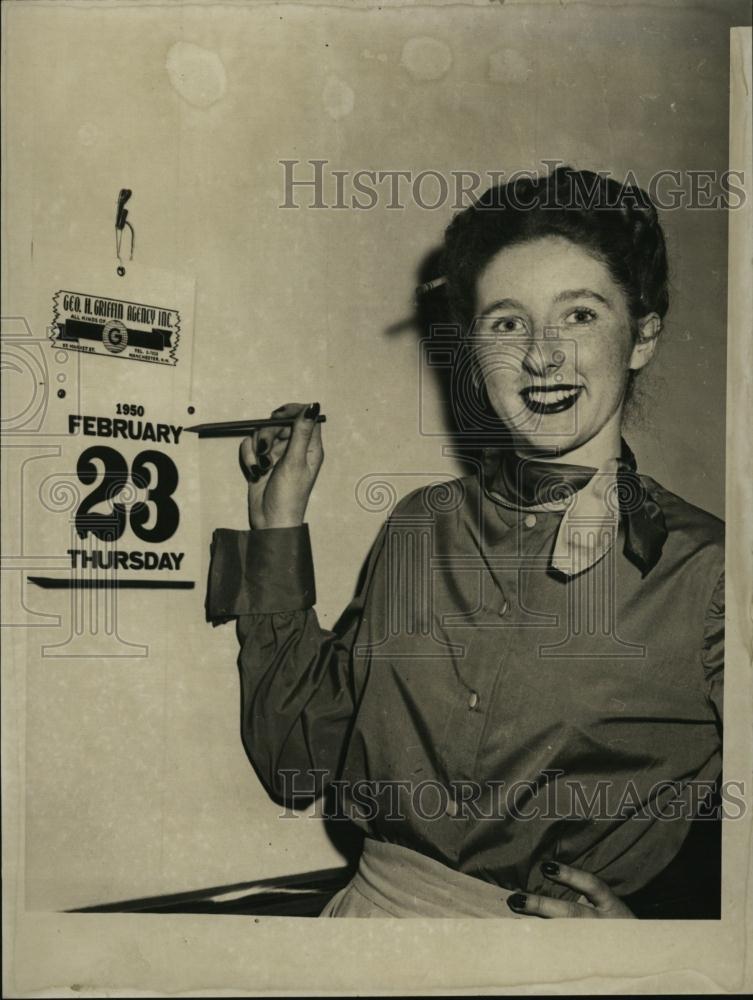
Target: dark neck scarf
533	482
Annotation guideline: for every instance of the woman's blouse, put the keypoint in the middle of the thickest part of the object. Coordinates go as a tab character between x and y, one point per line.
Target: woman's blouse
475	706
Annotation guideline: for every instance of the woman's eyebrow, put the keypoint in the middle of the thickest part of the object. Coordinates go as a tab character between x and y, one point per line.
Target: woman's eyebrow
582	293
502	304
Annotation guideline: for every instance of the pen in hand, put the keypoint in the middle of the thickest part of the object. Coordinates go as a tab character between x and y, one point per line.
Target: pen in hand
242	428
281	465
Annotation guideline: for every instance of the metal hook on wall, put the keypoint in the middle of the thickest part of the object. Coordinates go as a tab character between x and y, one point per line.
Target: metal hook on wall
121	222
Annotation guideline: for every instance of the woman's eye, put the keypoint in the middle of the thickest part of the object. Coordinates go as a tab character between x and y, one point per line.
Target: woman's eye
509	324
580	316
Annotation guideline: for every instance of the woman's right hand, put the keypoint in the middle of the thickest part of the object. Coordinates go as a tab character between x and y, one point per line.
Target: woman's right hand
281	465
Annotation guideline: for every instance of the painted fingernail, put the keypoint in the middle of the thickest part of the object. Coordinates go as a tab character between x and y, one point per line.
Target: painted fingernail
311	412
254	473
261	446
517	901
264	462
550	868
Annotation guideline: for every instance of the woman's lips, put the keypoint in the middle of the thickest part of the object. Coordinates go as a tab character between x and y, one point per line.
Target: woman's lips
545	399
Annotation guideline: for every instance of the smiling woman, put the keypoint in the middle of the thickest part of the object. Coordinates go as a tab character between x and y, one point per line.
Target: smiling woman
521	708
574	282
558	346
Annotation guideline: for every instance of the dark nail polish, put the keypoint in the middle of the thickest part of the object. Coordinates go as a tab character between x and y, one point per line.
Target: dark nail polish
261	447
517	901
550	868
254	473
264	462
311	412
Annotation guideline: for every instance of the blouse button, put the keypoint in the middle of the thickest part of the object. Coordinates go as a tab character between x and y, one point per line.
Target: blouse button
452	808
473	699
529	520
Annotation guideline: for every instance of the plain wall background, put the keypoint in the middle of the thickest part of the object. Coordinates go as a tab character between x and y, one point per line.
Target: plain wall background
136	781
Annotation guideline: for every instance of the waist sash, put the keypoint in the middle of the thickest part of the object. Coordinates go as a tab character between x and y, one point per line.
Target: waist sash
394	881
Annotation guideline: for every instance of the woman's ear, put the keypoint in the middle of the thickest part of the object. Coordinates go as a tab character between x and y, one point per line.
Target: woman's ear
649	329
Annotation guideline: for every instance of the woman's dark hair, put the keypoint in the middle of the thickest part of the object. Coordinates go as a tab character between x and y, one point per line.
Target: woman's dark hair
617	223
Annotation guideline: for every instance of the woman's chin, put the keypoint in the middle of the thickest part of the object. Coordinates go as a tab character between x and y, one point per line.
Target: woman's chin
545	439
551	432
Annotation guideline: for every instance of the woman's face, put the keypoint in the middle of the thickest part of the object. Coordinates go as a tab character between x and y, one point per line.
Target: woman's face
554	343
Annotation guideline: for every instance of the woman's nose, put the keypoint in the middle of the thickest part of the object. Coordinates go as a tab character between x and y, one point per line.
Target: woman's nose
543	356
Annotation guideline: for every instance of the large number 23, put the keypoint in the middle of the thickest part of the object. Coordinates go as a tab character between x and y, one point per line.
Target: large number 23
160	486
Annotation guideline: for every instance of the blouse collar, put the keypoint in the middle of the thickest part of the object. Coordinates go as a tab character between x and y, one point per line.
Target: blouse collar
595	503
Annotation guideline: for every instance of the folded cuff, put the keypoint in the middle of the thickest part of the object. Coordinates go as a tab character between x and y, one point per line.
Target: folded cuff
259	572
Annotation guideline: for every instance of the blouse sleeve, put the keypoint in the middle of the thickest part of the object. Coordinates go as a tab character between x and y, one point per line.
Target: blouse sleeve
297	691
713	649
